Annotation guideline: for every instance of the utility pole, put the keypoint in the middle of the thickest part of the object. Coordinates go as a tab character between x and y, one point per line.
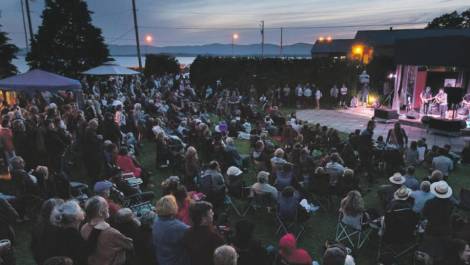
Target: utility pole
28	14
24	26
136	29
280	50
262	39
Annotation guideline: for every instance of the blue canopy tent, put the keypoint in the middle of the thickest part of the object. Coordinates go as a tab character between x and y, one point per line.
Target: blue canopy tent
39	80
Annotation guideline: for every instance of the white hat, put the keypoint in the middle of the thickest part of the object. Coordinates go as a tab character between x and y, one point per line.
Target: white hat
397	178
402	193
234	171
441	189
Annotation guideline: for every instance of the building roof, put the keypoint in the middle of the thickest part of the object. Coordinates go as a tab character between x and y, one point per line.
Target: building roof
451	51
334	46
389	37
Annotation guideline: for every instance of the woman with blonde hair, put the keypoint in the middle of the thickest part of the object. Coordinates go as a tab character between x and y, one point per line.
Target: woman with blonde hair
192	168
168	233
352	209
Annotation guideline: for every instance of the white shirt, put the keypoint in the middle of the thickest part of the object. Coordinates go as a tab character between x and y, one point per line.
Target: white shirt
299	91
344	90
318	94
307	92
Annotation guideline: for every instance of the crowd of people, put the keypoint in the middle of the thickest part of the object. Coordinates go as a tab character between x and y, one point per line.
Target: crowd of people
49	140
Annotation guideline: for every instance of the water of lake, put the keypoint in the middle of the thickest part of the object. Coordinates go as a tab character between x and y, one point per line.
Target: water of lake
128	61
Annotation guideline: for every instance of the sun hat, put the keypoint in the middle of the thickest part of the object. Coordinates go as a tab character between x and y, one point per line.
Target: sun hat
397	178
441	189
101	186
234	171
402	194
263	176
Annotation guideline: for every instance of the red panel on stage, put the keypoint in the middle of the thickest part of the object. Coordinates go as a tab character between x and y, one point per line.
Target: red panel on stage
420	84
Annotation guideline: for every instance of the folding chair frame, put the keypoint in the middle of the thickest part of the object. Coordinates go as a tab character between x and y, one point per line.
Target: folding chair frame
346	232
285	226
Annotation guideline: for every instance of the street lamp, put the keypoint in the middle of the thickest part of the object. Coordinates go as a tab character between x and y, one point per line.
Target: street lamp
234	38
148	39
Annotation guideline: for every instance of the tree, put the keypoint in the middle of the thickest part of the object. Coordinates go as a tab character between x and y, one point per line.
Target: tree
454	20
7	53
159	64
67	42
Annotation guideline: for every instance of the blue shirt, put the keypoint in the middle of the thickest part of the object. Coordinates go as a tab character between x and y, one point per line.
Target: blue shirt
411	183
168	241
421	198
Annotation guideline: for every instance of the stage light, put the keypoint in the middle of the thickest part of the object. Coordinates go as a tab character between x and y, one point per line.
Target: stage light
321	39
329	39
358	50
235	36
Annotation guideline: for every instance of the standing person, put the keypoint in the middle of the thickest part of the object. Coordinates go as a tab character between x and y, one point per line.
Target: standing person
92	150
106	245
6	140
426	97
202	230
365	148
441	100
299	93
168	233
334	92
397	136
286	94
307	96
343	92
318	96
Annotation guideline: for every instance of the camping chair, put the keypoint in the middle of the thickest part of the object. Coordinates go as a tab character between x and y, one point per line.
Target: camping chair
261	200
355	237
398	236
321	189
287	223
464	199
229	204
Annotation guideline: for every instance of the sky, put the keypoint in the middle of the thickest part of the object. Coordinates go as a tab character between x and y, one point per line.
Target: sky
196	22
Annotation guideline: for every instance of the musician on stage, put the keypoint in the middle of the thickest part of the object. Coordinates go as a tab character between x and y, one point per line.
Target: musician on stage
466	103
441	100
426	97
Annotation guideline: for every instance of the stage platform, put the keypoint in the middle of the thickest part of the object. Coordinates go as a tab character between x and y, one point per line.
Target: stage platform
348	120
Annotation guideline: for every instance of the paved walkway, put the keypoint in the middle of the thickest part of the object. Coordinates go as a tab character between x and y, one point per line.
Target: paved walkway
349	120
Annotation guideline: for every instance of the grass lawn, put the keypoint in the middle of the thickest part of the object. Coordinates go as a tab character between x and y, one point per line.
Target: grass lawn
319	228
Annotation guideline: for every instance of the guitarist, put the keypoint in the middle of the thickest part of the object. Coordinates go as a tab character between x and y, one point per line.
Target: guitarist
426	97
441	100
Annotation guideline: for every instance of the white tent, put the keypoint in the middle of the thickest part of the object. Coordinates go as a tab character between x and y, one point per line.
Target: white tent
110	69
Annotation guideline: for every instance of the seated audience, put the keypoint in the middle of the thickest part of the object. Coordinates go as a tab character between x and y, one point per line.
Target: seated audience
262	186
438	210
289	252
421	196
225	255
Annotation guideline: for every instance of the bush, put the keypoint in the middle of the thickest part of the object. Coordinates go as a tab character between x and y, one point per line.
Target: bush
160	64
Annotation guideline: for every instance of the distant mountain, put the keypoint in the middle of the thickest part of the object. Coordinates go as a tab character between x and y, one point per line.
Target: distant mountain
298	49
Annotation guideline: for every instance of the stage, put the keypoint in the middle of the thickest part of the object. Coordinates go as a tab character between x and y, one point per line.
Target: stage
348	120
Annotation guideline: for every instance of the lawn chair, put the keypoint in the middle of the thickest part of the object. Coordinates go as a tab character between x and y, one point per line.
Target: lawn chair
261	200
398	237
289	222
355	237
229	204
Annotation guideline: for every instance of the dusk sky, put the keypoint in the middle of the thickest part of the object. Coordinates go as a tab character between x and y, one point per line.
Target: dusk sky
214	21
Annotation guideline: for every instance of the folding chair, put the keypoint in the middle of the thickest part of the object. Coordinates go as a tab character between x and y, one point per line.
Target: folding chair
261	200
398	237
355	237
286	224
229	204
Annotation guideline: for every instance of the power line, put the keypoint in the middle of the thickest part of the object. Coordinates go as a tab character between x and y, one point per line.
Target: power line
288	27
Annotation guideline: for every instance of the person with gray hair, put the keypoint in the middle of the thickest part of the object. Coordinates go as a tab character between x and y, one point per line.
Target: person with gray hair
421	196
262	185
225	255
107	246
68	242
